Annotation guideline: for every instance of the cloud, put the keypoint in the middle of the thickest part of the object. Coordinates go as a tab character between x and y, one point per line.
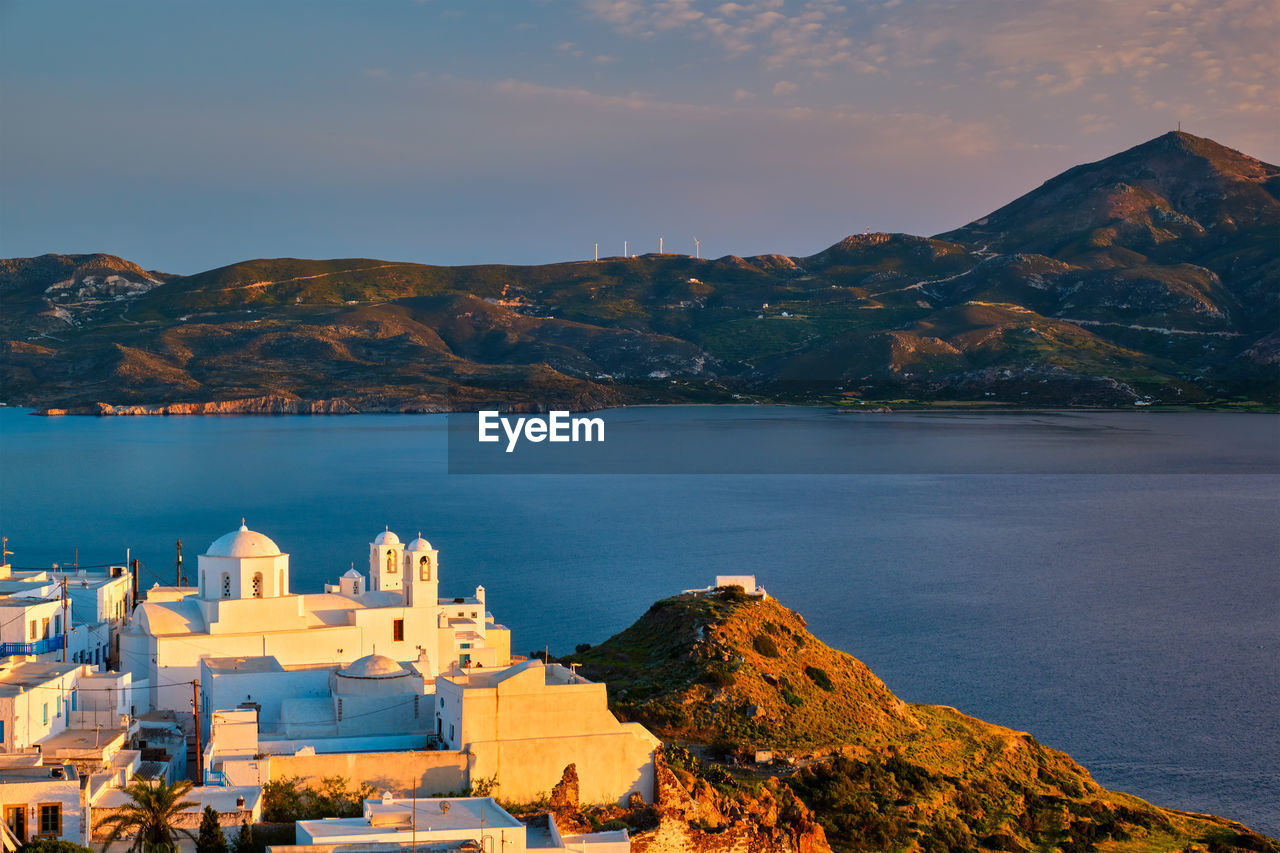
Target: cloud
784	87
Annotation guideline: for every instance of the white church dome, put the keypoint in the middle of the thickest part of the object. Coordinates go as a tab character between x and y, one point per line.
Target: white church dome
373	666
243	543
386	537
419	544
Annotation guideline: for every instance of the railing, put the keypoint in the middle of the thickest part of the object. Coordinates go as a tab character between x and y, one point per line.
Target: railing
39	647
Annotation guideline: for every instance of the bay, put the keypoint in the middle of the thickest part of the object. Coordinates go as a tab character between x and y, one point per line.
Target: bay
1126	613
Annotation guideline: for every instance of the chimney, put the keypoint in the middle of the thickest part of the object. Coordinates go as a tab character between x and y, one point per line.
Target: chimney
239	803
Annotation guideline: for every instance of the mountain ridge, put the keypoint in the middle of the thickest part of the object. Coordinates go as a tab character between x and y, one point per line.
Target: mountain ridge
1148	277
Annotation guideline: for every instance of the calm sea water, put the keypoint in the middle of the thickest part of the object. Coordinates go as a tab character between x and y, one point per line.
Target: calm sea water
1131	619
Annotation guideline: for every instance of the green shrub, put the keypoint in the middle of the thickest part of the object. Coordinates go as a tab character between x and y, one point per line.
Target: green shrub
765	646
820	678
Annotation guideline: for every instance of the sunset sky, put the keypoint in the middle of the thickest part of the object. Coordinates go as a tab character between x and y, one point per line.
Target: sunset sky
186	135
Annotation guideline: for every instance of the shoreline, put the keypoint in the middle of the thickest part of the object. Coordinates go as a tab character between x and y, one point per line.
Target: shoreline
271	406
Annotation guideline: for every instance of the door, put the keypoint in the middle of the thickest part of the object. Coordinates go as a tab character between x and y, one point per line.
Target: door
15	817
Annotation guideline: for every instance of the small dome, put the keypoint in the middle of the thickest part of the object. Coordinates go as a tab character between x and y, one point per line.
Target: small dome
386	537
352	573
243	543
373	666
419	544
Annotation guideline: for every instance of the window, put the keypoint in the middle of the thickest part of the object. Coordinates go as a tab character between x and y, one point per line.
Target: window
44	714
416	706
1	731
397	631
58	709
474	614
391	562
339	709
57	626
424	568
44	628
51	819
73	700
226	585
451	733
257	584
33	629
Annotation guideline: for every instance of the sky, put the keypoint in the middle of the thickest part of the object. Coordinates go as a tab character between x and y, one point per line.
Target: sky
188	135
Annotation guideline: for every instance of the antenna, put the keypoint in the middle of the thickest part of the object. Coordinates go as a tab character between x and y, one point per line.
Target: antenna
697	246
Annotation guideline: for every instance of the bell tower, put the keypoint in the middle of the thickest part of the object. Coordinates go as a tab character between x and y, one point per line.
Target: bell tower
386	557
421	574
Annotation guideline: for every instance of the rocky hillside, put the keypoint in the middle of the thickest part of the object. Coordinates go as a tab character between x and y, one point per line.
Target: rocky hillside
736	674
1150	277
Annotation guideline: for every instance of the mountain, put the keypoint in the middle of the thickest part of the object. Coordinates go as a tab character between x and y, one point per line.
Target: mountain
1150	277
726	675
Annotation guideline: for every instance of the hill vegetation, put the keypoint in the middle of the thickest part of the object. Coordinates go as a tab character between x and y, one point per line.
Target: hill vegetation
1151	277
728	675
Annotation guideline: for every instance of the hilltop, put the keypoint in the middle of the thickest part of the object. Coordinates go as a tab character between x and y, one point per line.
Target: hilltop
728	674
1149	277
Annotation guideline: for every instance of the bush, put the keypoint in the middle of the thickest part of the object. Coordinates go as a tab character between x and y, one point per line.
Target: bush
820	678
765	646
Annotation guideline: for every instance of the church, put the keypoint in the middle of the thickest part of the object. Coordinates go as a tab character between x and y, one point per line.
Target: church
243	607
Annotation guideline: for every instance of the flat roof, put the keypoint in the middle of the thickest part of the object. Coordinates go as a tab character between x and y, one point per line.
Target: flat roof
64	773
258	663
434	813
222	799
32	674
81	740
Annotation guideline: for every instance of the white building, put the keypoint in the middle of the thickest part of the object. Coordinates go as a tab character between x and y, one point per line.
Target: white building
525	723
40	802
243	608
32	612
425	821
64	712
441	825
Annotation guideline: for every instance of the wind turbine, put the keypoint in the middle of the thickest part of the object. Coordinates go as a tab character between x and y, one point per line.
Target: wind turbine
659	245
697	246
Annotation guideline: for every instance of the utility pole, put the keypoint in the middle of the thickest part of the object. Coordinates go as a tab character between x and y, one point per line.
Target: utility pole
179	562
65	625
134	565
195	703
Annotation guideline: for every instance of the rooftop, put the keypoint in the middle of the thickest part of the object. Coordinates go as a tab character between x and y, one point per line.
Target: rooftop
257	663
91	741
23	676
439	813
55	773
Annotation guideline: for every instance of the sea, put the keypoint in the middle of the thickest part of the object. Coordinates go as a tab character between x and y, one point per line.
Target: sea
1108	582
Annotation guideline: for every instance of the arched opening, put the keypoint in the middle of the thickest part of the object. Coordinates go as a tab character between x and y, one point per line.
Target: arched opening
391	562
424	568
257	584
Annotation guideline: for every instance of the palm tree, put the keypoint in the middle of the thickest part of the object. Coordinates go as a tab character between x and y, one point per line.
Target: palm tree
152	816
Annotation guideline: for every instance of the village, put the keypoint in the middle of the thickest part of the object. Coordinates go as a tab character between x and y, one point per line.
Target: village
238	682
